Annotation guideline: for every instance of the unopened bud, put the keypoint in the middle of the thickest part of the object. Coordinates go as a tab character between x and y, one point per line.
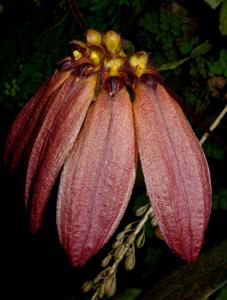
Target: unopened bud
110	285
119	252
98	278
95	296
116	244
130	251
130	239
87	286
130	261
120	236
106	261
141	211
128	227
112	41
101	290
140	240
94	37
153	222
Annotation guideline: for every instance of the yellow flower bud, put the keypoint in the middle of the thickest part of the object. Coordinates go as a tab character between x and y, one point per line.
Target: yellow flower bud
106	260
112	41
114	66
138	62
94	37
77	54
110	285
130	262
119	252
87	286
95	57
140	240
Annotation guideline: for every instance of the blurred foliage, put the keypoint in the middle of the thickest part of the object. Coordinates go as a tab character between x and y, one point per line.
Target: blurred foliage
36	34
223	294
220	199
213	3
214	150
223	13
128	294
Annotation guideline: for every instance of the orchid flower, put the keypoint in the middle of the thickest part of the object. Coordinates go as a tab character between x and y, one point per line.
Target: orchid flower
89	123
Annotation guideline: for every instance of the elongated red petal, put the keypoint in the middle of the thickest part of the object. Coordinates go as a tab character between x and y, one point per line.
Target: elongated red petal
48	155
175	170
97	178
50	116
23	128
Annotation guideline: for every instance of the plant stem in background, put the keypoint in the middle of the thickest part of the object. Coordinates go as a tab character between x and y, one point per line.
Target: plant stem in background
214	125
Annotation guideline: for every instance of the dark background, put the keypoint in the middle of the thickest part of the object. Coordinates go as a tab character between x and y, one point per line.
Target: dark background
34	35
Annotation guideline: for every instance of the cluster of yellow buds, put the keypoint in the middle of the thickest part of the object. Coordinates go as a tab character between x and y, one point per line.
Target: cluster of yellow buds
104	55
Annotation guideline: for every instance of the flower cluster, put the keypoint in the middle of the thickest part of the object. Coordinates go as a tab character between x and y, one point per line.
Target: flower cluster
88	122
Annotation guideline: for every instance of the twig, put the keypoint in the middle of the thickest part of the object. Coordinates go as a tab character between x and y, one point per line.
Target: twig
77	15
214	125
59	22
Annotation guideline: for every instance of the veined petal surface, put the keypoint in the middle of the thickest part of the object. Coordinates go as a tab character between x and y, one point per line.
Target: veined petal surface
175	170
51	115
97	178
25	125
46	163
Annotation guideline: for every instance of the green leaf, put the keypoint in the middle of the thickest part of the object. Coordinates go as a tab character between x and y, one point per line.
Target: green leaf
152	256
128	294
140	201
213	3
1	8
201	49
150	23
213	150
223	294
172	65
223	18
186	47
149	230
220	200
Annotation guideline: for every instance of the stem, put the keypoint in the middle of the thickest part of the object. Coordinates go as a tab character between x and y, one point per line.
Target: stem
59	22
214	125
77	15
